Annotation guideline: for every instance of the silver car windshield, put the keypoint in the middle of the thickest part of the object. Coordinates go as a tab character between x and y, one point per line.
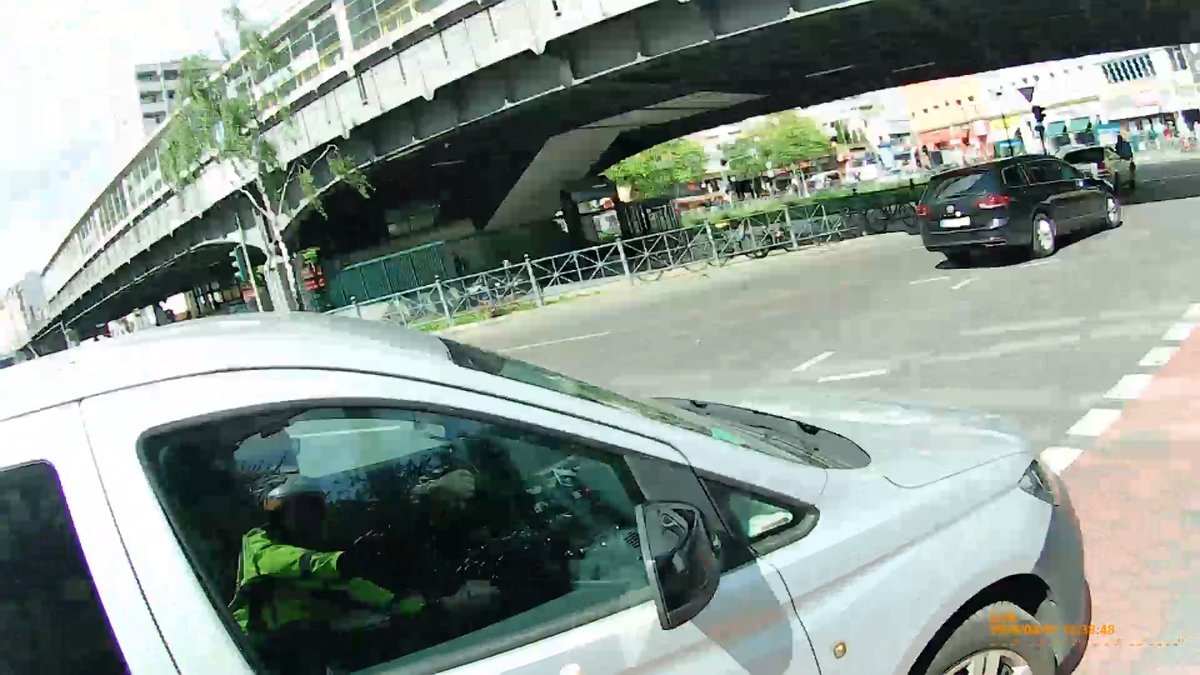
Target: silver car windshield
727	431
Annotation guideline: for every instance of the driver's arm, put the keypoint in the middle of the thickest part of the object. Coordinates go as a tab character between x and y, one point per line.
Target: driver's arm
290	562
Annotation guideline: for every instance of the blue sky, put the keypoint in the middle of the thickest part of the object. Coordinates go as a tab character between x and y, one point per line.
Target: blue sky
70	110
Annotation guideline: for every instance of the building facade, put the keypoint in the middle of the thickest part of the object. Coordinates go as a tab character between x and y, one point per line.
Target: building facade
21	307
158	87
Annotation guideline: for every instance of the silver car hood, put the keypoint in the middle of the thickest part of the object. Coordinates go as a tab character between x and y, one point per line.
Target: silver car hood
910	444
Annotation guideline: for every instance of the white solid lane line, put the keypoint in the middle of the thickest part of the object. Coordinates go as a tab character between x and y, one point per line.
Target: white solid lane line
925	281
555	342
1179	332
1193	312
1026	326
1158	357
1057	458
1094	422
962	283
1130	387
853	376
812	362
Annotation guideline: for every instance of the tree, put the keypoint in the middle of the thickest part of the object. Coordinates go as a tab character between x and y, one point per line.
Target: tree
780	140
660	169
225	118
744	158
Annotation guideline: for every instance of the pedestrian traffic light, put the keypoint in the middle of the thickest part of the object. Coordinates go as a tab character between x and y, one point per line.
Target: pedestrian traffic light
1039	114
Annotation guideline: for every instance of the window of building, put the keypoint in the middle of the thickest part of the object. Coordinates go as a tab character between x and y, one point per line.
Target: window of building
549	524
970	98
50	613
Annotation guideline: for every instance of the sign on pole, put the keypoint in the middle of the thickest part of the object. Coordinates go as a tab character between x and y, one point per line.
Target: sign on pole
1027	92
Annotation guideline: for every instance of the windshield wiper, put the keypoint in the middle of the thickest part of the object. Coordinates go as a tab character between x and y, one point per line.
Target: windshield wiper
769	435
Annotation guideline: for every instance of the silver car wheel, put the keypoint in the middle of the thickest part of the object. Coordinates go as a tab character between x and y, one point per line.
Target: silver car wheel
991	662
1113	211
1045	234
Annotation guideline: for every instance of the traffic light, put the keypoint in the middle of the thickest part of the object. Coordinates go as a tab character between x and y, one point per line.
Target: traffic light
241	267
1039	114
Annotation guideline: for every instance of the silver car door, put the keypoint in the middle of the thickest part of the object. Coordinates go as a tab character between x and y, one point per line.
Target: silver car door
53	442
750	621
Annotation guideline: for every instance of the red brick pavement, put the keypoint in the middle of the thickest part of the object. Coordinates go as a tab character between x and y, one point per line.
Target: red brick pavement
1138	497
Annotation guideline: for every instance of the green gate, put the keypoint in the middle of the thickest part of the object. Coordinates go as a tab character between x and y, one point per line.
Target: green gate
388	275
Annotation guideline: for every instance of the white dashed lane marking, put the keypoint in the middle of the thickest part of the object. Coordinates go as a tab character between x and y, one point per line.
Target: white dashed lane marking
812	362
1179	332
1059	458
556	342
854	376
1094	422
925	281
1130	387
961	284
1159	356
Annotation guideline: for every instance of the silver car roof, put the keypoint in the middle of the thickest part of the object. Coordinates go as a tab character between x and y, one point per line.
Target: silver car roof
266	340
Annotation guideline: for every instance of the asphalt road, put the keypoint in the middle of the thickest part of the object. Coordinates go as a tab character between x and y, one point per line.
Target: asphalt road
1087	352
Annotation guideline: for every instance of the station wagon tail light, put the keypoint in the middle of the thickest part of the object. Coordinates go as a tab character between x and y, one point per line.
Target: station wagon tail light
922	210
994	201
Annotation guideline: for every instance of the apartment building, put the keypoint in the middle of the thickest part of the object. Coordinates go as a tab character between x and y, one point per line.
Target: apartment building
158	88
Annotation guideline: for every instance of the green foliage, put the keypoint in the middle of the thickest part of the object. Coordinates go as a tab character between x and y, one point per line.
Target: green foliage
745	158
781	140
660	169
225	118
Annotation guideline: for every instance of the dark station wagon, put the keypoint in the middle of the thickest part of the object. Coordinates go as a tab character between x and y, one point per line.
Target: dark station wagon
1024	202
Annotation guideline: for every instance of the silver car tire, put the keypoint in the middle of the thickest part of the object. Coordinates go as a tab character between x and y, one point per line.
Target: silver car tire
999	639
1112	212
1043	241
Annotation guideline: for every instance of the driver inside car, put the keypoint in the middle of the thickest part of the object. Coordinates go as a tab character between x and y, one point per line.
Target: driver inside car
290	593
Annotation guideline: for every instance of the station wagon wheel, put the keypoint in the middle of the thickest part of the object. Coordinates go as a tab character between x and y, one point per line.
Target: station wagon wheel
1043	239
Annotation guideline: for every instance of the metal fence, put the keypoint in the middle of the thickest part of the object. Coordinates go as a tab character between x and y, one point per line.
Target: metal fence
534	282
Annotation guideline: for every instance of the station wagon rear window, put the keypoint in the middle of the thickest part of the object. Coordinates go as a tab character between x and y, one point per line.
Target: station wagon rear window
961	185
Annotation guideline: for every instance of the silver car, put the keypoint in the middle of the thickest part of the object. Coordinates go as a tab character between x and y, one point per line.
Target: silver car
1101	163
145	529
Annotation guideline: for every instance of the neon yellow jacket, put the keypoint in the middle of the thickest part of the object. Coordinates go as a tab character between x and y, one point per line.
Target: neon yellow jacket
279	584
